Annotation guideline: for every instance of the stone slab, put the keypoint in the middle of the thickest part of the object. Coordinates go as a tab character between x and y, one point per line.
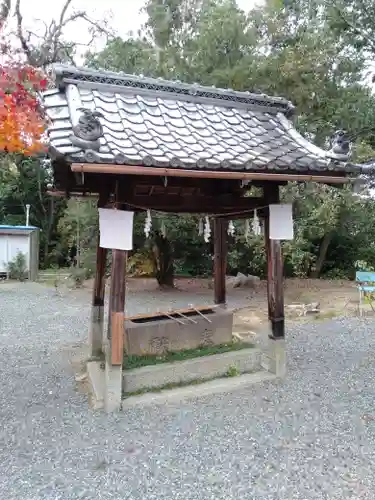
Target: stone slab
161	335
181	394
205	367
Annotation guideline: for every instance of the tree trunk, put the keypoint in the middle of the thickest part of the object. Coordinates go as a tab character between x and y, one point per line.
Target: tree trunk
163	261
322	255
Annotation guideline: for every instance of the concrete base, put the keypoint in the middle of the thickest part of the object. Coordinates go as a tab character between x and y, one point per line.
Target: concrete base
274	357
113	387
181	394
107	383
96	330
105	386
203	368
97	384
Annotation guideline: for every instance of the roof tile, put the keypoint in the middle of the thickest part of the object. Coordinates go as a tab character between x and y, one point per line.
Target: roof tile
171	124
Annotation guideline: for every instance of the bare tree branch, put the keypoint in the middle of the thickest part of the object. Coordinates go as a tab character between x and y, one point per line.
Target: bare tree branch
63	12
20	33
4	11
54	48
44	36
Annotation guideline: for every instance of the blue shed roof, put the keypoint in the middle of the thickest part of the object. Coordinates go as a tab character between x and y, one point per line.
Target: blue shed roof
20	228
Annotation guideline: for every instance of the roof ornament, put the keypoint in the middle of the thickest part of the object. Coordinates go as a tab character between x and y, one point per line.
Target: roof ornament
341	147
88	130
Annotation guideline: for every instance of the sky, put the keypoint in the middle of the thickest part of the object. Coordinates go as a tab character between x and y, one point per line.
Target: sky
124	15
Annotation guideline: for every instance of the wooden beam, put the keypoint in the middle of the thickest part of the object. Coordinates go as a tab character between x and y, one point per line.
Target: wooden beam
141	170
226	206
275	278
220	259
195	204
62	194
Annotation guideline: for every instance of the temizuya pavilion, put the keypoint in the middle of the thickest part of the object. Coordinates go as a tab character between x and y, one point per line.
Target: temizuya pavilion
168	146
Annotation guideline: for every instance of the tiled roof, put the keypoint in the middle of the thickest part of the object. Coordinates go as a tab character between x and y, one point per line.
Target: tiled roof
101	117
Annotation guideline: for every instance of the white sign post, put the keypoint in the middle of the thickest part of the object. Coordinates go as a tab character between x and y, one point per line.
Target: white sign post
281	222
116	229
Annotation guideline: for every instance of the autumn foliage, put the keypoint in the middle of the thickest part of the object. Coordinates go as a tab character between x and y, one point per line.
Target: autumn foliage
21	120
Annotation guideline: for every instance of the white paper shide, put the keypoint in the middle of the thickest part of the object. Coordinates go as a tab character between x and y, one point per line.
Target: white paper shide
116	229
281	222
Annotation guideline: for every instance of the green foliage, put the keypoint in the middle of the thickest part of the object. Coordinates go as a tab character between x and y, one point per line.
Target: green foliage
362	265
248	257
79	228
312	52
17	268
283	48
233	371
134	361
133	56
23	181
353	20
141	263
78	275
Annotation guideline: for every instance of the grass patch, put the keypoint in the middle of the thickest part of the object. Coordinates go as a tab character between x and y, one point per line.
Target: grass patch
131	362
166	387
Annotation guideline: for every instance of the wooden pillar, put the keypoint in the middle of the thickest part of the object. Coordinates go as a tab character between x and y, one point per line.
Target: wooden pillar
114	351
97	307
117	306
115	347
275	278
220	259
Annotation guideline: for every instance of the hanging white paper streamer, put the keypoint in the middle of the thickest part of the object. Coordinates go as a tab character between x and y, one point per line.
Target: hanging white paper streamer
231	229
148	224
281	222
256	225
245	183
261	224
200	227
116	229
207	230
163	229
247	230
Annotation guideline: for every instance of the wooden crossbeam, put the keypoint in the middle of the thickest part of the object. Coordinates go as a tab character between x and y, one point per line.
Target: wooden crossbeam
207	174
195	204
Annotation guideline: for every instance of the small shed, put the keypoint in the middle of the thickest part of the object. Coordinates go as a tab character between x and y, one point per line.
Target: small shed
15	239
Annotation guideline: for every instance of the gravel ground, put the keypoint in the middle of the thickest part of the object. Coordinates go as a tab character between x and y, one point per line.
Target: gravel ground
309	437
